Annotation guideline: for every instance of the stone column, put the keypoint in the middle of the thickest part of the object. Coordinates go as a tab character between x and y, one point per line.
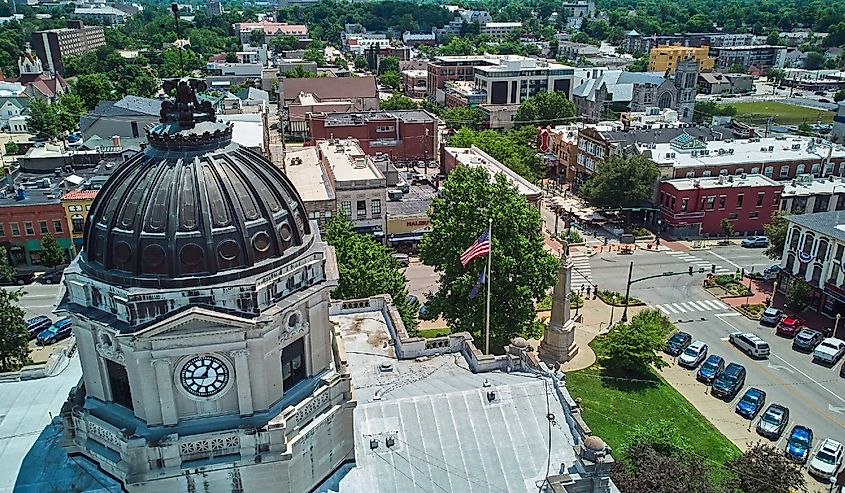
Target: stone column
161	366
242	381
558	344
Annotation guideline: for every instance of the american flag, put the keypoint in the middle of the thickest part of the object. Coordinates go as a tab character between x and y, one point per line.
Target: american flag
480	248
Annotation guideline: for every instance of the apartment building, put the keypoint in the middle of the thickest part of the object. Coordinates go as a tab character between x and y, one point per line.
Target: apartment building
635	42
458	67
515	78
54	45
500	30
808	194
665	58
758	57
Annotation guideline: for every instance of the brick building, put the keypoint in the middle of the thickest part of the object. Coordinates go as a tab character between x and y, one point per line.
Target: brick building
694	207
461	68
403	135
54	45
779	158
26	216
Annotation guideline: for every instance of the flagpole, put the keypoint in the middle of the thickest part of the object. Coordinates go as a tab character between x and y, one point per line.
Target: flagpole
489	271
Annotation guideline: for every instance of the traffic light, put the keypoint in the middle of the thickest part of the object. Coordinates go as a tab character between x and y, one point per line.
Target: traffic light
690	270
712	268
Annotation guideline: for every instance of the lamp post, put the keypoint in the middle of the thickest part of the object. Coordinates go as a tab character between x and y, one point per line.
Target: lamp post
836	324
832	484
774	292
747	295
659	229
627	293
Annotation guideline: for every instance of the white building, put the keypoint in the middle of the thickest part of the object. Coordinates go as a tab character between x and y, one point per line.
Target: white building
500	30
576	12
475	157
514	78
807	194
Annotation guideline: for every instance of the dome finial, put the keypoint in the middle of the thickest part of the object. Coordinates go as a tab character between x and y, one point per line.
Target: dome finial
186	110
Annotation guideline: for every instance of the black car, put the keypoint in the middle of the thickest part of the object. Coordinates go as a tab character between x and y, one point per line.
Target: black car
712	367
678	343
773	421
51	277
18	280
729	382
35	325
806	340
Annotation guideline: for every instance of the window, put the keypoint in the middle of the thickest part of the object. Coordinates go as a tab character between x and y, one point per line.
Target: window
57	226
840	202
327	214
684	203
77	223
739	198
799	170
784	171
732	215
346	208
821	203
816	168
15	229
314	215
739	171
42	226
74	208
119	384
723	172
2	230
753	215
361	208
760	196
769	171
375	206
755	171
706	173
293	364
722	201
384	128
29	229
690	174
710	201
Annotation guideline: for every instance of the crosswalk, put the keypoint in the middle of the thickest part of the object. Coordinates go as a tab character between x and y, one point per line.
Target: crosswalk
581	273
692	307
697	263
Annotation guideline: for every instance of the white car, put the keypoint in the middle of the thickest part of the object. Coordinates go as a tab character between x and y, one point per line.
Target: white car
830	350
827	459
693	355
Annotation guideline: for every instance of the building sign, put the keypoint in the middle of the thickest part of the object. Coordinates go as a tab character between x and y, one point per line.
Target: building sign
403	225
834	291
416	223
544	141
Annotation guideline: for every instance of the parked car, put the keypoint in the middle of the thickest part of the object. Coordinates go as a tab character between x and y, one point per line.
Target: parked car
827	459
751	403
789	326
402	259
799	443
770	316
729	382
842	370
19	280
829	350
61	329
54	277
824	100
806	340
425	313
413	301
712	367
755	242
37	324
750	344
678	343
771	272
773	421
693	355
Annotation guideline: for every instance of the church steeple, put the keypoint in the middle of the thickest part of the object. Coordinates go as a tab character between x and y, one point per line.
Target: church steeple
29	63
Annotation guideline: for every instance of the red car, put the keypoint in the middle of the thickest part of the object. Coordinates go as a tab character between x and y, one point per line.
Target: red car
790	326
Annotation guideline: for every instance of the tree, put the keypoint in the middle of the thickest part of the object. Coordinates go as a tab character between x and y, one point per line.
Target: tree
545	108
621	181
284	43
367	268
727	227
390	79
736	68
839	95
398	102
341	62
93	88
764	469
299	72
814	60
360	63
11	147
462	116
7	270
43	119
388	64
315	55
231	57
522	270
776	232
256	37
705	110
639	65
646	469
506	147
798	295
14	338
51	254
776	76
633	346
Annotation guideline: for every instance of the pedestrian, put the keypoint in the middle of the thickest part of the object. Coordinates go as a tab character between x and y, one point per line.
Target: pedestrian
595	291
588	291
582	288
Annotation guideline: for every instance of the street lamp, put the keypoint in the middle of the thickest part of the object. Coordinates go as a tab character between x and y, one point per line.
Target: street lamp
659	229
627	293
832	483
774	293
836	325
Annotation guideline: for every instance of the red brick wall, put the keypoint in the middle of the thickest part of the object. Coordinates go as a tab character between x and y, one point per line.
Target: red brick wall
32	213
414	142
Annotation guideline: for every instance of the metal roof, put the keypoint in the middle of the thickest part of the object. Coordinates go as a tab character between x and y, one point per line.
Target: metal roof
827	223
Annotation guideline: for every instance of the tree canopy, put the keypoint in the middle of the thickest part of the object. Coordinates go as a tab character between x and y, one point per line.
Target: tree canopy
398	102
776	232
390	79
93	88
51	254
509	148
43	120
367	268
522	270
634	346
622	181
14	338
545	108
764	469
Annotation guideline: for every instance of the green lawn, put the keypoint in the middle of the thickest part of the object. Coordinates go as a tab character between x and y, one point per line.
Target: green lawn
435	332
784	114
611	407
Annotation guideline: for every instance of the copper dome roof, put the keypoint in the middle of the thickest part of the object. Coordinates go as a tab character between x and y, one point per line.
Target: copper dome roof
193	208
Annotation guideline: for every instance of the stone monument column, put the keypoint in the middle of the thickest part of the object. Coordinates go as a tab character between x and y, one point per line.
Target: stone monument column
558	344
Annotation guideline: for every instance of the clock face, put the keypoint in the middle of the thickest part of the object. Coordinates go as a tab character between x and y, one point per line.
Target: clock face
204	376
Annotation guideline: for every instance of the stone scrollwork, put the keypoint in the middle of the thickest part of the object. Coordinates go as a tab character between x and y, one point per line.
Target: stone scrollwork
289	333
107	348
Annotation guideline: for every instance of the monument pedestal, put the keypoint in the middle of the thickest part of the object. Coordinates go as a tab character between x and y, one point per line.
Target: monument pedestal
558	344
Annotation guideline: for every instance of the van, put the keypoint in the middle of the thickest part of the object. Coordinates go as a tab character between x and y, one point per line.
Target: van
750	344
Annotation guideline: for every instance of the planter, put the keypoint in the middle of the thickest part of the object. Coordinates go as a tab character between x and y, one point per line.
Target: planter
752	311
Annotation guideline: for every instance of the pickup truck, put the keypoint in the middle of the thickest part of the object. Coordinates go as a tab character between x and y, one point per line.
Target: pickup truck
830	350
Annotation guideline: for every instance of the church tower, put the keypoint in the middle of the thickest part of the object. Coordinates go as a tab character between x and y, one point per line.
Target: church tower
29	63
200	306
686	78
558	344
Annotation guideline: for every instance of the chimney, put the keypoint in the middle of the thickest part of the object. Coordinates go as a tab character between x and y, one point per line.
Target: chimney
115	140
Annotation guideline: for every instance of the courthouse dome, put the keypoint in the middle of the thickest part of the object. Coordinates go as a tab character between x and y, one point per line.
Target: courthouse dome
193	208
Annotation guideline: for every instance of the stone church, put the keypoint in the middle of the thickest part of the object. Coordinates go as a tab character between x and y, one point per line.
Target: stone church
200	306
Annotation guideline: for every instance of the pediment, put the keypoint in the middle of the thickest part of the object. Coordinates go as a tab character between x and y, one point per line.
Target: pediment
194	321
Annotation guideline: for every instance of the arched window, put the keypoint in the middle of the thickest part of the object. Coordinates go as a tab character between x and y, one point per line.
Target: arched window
665	101
793	241
790	261
822	253
817	275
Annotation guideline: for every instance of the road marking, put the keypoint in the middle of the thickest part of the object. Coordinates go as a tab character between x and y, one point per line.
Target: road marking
726	260
837	410
731	314
699	305
680	307
667	309
779	367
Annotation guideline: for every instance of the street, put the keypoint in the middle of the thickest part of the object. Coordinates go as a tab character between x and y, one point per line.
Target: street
39	299
815	394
